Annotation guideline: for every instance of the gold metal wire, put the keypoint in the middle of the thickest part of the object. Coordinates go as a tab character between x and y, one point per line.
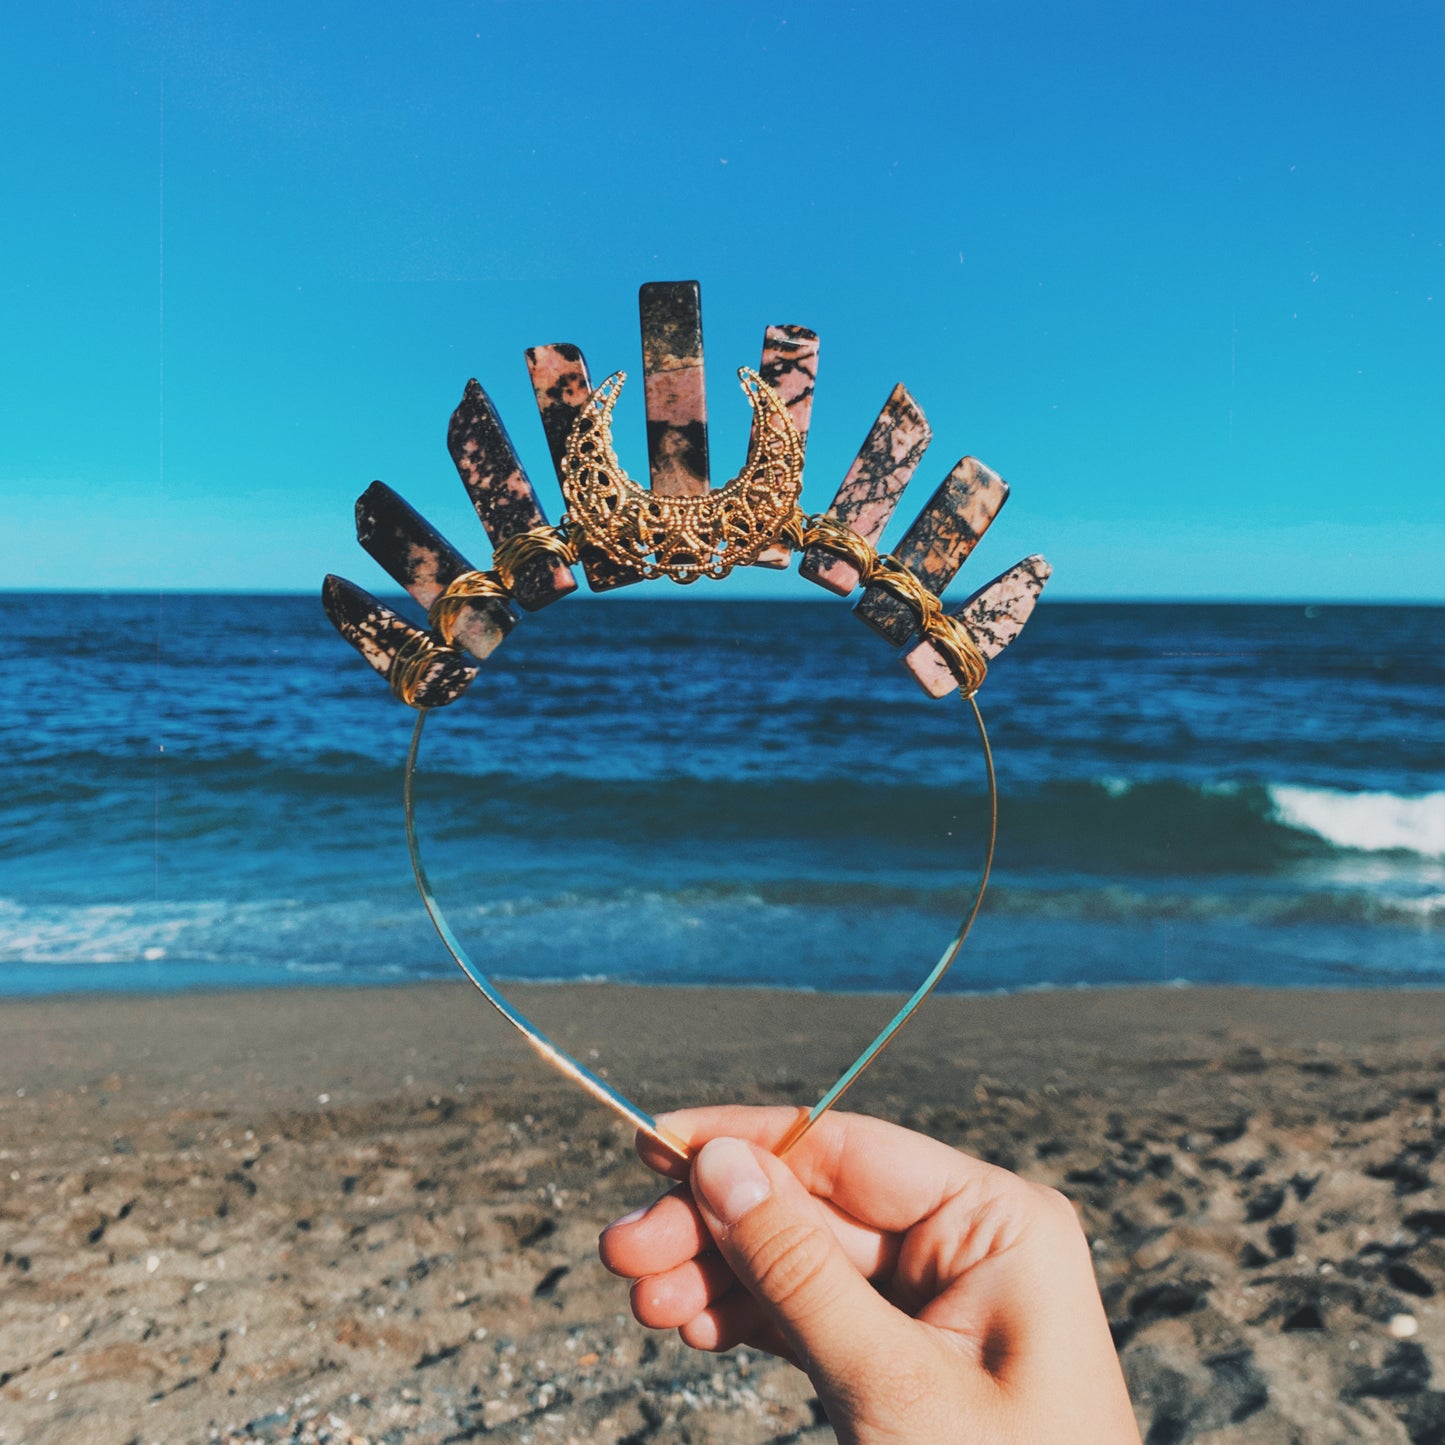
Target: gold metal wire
551	1053
442	615
825	531
795	529
413	660
955	642
883	569
522	547
854	1070
500	580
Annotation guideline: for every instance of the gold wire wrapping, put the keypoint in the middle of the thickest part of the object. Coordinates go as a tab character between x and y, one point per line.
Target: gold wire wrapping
795	529
512	555
411	664
443	613
500	581
950	637
883	569
960	651
826	531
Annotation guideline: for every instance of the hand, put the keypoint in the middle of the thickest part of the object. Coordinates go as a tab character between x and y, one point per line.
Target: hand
928	1296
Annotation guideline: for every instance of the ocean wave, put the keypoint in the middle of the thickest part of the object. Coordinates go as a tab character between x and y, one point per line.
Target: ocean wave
1272	910
1365	822
614	926
1227	824
217	932
793	933
1102	826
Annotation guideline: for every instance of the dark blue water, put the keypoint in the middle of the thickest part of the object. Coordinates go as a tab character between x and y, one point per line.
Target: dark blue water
206	791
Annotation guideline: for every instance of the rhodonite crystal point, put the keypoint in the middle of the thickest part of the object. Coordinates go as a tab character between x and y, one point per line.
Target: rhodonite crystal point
937	544
505	500
993	616
416	555
674	387
885	462
378	634
790	366
561	385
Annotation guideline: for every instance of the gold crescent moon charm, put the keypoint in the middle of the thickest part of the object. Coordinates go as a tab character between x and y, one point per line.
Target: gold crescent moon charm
683	538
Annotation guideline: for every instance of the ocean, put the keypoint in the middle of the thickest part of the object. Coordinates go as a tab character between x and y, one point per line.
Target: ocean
205	792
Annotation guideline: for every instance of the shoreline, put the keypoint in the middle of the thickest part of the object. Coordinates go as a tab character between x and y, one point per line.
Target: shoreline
1398	986
222	1213
1138	1020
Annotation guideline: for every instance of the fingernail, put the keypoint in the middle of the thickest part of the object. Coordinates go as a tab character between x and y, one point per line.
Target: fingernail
629	1218
728	1180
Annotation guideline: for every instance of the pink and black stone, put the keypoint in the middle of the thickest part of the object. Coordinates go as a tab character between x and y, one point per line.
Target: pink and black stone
378	634
561	385
675	392
790	367
994	616
937	544
505	500
889	456
415	554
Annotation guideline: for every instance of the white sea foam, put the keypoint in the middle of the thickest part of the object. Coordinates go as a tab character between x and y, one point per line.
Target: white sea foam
1370	822
96	933
211	931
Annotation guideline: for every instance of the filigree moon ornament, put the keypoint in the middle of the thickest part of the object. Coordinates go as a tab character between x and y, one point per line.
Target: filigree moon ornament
683	538
685	530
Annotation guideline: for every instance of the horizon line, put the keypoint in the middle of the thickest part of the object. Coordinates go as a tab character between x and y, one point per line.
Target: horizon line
622	595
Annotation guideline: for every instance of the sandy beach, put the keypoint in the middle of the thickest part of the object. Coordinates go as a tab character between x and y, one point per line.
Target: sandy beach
371	1216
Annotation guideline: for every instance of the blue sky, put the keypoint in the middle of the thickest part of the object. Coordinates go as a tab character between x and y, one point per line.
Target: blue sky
1176	271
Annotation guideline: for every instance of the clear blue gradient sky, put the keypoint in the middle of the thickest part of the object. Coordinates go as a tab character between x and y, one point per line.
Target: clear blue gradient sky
1176	271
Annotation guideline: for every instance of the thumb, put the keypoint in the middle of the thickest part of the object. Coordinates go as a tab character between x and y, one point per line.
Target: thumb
776	1238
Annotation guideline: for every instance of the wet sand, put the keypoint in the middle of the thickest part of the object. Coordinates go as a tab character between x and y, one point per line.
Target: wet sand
371	1215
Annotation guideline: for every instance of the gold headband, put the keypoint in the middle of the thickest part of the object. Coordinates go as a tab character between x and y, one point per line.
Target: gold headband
684	529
